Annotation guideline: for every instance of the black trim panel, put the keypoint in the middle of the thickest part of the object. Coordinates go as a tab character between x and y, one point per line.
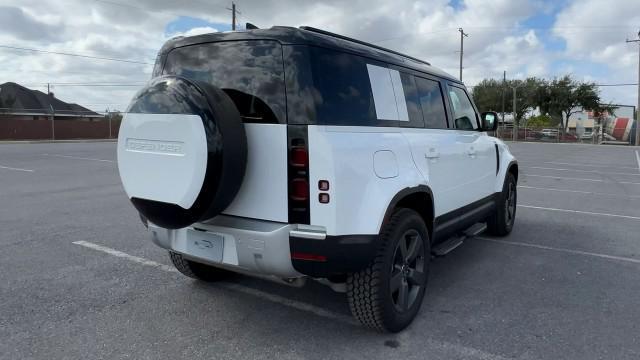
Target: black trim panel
497	159
404	193
460	219
344	254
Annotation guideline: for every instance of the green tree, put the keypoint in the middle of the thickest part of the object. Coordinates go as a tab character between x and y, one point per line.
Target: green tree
569	96
540	121
488	95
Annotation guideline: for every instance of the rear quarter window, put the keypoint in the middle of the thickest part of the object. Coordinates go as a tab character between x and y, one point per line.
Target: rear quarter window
357	91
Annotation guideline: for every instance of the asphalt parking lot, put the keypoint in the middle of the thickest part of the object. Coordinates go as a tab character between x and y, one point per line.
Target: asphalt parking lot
81	280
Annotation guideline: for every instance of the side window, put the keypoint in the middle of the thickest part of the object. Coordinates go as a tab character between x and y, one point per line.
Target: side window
432	103
356	91
463	112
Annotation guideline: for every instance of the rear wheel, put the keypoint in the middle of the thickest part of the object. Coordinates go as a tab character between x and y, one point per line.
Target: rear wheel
501	222
197	270
387	295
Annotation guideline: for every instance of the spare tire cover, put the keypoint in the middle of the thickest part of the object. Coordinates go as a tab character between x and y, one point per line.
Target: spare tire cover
182	151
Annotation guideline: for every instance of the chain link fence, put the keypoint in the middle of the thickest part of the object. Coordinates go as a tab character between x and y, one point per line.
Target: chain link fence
619	136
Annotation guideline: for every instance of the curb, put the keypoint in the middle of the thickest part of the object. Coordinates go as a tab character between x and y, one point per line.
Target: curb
55	141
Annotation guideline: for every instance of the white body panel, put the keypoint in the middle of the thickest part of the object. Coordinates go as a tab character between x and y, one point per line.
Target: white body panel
171	149
264	190
344	156
441	156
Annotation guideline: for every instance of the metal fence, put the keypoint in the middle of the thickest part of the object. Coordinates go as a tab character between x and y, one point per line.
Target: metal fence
557	135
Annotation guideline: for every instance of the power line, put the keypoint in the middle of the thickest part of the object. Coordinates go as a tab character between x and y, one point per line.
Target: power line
74	55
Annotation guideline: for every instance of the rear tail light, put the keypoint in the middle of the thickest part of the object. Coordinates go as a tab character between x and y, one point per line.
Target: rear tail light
298	147
299	157
299	189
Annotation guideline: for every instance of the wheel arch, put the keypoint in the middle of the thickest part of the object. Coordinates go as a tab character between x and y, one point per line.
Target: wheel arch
419	199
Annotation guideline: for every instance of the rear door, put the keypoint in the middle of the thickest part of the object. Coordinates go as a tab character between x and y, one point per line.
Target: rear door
436	152
478	150
251	73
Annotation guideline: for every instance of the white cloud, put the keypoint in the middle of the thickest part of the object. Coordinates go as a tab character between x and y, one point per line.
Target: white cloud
135	29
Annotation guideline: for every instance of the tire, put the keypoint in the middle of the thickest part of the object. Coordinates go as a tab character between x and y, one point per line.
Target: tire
212	183
373	300
501	222
197	270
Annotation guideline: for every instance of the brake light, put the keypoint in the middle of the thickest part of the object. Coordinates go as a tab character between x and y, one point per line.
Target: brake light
299	189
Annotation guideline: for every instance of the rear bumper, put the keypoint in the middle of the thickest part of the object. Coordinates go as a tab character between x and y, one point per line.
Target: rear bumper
266	247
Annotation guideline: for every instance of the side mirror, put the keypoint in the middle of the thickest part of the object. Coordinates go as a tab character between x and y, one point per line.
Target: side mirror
489	121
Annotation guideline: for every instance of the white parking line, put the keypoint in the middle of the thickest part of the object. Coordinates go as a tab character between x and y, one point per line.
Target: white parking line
235	287
638	159
590	165
580	212
576	252
459	351
580	192
78	158
580	179
16	169
584	171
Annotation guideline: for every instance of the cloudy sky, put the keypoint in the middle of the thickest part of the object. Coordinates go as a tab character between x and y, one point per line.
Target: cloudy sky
544	38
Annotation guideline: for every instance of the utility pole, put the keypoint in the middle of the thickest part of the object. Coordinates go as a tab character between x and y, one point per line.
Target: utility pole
233	15
515	128
638	107
462	36
504	84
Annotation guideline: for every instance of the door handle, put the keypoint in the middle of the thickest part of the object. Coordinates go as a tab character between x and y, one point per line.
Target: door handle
432	153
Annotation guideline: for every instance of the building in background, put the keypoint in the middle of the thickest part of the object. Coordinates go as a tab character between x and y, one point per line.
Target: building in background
27	114
619	126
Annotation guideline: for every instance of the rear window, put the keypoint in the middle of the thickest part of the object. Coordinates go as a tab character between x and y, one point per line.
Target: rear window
250	72
432	103
353	90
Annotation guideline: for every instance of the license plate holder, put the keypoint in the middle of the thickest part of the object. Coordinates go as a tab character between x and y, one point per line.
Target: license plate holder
205	245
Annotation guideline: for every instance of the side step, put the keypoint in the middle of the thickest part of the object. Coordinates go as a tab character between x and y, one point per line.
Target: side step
453	242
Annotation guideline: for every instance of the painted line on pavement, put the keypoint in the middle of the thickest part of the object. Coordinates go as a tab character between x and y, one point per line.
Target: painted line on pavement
569	251
638	159
581	179
78	158
580	192
580	212
590	165
459	350
15	169
584	171
235	287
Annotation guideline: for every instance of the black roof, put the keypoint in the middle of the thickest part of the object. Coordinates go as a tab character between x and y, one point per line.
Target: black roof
311	36
15	98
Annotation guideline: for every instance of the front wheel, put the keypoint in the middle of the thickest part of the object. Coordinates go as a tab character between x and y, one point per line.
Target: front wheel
501	222
387	295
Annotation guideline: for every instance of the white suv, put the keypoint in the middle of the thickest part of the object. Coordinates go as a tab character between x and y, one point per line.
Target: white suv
301	154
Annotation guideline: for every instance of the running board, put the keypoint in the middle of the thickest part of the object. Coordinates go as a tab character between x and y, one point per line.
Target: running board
453	242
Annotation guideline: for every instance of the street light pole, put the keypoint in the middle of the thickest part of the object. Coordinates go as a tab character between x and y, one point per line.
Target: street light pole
638	107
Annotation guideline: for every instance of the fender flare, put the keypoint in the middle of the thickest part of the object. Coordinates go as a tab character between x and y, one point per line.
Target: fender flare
397	198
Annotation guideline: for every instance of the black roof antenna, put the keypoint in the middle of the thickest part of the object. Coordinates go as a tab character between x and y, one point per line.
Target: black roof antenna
328	33
250	26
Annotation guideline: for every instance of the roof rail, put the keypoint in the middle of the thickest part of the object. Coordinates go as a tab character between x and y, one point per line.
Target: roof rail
328	33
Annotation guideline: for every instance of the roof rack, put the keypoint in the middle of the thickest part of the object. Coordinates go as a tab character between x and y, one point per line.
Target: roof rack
328	33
